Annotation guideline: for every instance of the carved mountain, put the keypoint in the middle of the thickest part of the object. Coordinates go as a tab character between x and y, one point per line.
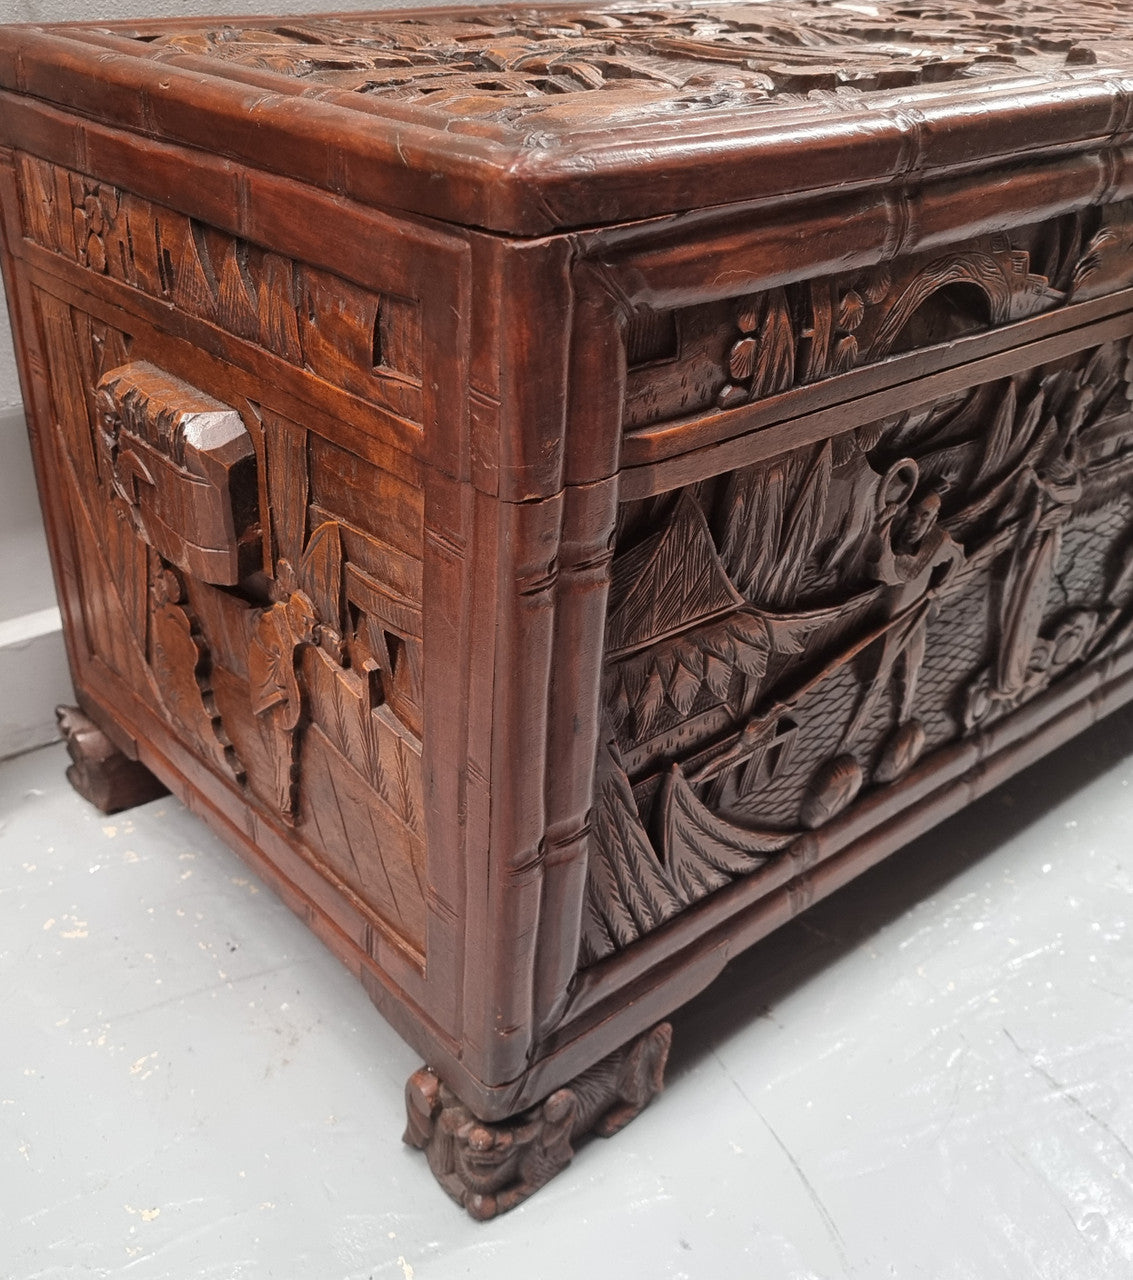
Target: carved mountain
671	581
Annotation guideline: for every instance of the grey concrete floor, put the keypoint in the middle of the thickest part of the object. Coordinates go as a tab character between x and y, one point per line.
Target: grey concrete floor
930	1074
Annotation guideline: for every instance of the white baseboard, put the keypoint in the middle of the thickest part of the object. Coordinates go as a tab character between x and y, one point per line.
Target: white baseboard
25	568
34	679
33	666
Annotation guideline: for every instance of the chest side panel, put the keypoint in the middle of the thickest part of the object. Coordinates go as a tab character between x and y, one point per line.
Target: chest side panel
248	566
300	686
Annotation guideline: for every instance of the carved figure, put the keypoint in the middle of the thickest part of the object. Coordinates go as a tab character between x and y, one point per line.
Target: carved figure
490	1168
913	557
277	696
876	539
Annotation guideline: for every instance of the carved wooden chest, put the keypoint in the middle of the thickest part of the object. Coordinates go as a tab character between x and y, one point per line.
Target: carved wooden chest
560	490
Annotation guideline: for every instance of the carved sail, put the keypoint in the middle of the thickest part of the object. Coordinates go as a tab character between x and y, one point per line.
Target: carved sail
668	582
700	851
629	893
901	549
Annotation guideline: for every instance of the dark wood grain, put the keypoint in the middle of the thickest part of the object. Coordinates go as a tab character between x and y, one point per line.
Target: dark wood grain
571	117
560	491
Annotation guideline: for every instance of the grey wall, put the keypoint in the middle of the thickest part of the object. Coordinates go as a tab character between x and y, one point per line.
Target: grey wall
9	387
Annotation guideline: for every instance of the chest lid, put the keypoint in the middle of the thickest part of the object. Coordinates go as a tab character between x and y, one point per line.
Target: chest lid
531	120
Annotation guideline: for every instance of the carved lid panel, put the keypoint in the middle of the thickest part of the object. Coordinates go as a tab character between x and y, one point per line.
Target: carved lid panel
585	68
540	118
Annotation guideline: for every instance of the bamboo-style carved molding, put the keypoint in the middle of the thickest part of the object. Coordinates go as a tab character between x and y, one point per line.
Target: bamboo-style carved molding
722	355
540	68
789	635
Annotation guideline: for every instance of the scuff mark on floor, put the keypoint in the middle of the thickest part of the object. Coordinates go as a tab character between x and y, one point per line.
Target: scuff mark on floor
1064	1091
812	1192
146	1215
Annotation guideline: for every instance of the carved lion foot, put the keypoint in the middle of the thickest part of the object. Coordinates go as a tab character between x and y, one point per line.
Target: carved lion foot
99	772
491	1167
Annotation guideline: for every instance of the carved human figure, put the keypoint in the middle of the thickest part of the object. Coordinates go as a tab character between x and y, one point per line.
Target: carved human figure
277	696
1051	489
1026	659
913	556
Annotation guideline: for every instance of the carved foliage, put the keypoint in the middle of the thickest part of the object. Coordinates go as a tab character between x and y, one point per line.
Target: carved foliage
490	1168
909	582
823	327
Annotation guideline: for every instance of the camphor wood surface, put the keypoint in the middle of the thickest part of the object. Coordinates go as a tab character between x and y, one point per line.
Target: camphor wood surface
560	490
524	69
557	116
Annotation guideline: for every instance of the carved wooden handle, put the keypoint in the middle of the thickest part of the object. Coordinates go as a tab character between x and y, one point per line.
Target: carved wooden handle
185	466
